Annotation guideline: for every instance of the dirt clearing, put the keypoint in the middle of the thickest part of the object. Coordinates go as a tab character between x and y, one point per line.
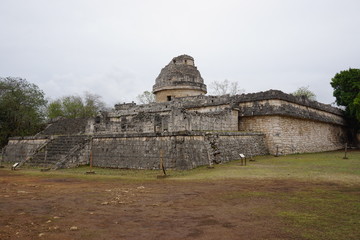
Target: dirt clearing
308	196
55	208
67	208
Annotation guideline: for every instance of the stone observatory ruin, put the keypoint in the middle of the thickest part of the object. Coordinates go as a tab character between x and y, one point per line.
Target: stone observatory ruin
184	128
180	78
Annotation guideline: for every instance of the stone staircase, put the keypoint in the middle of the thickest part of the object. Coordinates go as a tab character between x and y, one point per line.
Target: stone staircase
58	151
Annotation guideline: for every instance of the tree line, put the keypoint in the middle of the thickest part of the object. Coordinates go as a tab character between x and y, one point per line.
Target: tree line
24	110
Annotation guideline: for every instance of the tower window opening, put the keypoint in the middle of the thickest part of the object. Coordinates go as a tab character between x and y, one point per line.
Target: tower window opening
168	98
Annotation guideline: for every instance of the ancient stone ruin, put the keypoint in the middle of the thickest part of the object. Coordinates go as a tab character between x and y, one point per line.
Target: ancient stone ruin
189	128
180	78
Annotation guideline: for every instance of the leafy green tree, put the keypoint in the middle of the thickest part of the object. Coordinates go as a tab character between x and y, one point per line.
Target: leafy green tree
54	109
146	97
346	86
305	92
22	108
75	106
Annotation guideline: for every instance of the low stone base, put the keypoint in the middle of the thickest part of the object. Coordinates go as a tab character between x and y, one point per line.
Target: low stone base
176	150
180	150
19	148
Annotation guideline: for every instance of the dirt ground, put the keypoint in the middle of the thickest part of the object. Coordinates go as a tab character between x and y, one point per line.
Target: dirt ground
59	208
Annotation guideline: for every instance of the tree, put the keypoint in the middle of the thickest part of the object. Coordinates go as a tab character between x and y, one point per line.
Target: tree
75	106
225	87
54	109
22	108
93	104
305	92
346	86
146	97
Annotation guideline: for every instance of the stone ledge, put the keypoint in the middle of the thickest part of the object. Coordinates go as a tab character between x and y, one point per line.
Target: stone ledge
202	101
30	138
175	134
232	101
276	94
290	111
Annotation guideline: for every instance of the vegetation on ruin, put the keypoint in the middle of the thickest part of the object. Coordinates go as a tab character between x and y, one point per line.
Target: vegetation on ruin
22	108
225	87
146	97
305	92
75	106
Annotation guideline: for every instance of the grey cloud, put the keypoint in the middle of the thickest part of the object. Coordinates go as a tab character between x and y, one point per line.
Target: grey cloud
117	48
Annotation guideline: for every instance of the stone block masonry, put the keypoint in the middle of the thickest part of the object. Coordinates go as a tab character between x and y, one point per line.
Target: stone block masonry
54	152
63	126
19	148
293	135
182	150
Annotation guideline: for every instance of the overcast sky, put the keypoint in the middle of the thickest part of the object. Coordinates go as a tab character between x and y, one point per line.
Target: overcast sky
116	48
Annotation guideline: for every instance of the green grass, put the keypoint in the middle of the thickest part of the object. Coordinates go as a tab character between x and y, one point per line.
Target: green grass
324	214
314	213
328	166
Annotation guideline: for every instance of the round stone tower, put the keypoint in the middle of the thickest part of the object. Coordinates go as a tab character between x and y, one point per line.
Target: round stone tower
180	78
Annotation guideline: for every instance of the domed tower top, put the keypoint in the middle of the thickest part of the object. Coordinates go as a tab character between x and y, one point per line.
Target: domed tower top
180	78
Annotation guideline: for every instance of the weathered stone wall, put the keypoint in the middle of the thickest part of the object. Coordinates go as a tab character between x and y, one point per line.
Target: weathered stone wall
171	120
278	95
162	96
217	120
294	135
204	112
77	158
290	109
180	150
250	144
19	148
241	112
141	122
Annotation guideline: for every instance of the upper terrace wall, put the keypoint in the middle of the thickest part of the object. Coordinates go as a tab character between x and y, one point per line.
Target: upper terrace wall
210	102
292	109
170	121
220	120
213	113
